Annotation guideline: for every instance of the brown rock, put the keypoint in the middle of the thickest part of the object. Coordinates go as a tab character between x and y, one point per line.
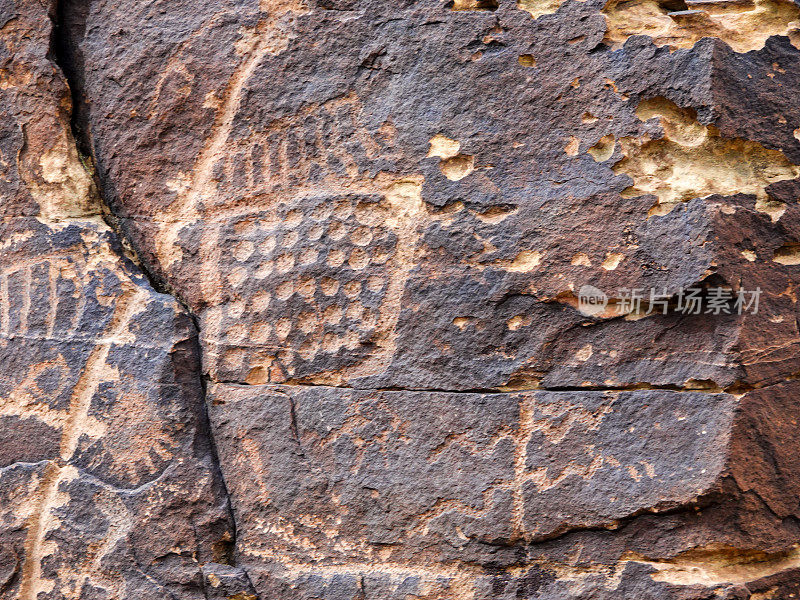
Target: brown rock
433	493
107	475
371	230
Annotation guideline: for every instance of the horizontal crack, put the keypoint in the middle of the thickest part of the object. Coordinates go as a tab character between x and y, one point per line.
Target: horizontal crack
619	389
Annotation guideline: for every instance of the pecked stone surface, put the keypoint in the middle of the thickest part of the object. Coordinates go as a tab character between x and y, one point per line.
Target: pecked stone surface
346	493
369	224
105	454
108	482
410	195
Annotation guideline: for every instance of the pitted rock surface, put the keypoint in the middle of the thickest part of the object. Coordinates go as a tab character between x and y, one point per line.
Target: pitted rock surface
290	299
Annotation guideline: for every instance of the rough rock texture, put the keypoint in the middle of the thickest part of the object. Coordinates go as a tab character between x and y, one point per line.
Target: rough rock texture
108	480
290	299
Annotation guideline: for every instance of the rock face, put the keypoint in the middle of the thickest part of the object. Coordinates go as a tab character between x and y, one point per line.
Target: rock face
467	300
108	481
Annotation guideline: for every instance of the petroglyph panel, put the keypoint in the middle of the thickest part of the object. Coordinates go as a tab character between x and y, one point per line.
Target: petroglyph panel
101	413
504	457
321	241
311	287
321	149
95	404
476	192
380	216
417	488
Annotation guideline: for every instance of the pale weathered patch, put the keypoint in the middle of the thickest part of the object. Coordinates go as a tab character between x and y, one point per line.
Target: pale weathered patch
581	259
744	25
495	214
572	147
458	167
443	147
787	255
693	160
538	8
603	149
58	179
474	4
454	165
518	321
525	261
749	255
714	565
612	261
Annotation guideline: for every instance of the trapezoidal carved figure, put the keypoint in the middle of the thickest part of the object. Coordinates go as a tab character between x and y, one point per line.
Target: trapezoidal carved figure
370	300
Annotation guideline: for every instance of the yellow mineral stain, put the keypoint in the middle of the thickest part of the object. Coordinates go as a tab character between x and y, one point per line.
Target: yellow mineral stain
603	149
787	255
527	60
612	261
744	25
693	160
612	85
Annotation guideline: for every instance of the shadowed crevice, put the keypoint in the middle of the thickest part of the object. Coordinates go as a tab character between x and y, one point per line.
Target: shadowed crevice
69	24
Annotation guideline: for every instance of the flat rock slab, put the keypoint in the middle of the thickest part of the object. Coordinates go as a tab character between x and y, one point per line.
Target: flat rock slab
413	488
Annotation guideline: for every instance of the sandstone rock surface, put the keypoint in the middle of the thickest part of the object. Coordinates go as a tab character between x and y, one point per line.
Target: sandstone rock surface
292	299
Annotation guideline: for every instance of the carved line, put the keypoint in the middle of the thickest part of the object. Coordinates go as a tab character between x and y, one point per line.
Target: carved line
78	413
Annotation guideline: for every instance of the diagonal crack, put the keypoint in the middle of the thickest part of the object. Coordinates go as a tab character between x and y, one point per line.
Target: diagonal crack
69	21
